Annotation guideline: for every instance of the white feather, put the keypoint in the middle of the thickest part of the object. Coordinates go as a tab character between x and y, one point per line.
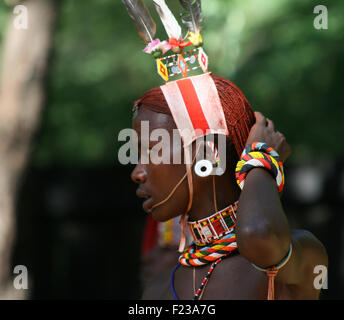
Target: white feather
169	21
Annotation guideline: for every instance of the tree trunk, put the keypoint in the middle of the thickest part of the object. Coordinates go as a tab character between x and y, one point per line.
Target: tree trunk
24	68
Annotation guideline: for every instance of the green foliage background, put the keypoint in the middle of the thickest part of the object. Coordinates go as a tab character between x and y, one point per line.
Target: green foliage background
287	69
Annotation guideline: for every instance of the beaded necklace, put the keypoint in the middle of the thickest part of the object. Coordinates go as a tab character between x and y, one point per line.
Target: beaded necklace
214	240
199	292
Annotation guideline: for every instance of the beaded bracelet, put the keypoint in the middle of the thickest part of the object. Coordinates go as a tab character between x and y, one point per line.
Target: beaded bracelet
280	265
272	273
259	154
263	147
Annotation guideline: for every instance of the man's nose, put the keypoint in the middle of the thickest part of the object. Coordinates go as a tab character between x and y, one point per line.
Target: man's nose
139	174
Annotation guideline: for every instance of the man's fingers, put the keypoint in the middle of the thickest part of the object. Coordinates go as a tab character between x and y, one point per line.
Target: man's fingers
270	124
260	118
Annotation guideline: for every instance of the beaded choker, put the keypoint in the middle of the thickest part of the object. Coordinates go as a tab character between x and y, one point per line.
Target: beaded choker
214	238
219	224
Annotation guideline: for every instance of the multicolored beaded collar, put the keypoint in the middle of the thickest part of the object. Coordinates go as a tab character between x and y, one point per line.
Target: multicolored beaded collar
199	256
219	224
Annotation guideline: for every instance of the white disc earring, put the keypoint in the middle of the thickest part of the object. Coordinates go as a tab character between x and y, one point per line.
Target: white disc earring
203	168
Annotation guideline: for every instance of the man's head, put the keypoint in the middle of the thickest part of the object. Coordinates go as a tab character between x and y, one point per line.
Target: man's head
157	181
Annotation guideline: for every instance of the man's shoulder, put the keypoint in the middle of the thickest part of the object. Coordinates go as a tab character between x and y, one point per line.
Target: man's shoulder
309	250
308	242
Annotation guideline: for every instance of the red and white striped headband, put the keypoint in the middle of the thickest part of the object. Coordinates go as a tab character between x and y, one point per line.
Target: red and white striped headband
195	106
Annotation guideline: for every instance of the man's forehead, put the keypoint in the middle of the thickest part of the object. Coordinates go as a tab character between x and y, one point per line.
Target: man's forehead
155	120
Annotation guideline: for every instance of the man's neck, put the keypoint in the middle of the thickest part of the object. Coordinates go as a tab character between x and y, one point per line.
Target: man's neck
203	205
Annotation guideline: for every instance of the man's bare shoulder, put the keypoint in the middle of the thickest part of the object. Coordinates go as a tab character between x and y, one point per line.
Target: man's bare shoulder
310	245
158	286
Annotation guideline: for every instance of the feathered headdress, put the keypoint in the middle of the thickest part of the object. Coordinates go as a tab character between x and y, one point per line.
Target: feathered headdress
179	62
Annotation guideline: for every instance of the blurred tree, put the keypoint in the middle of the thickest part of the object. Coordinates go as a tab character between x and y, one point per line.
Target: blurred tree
25	64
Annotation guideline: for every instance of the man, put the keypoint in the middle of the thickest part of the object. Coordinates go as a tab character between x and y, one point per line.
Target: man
263	237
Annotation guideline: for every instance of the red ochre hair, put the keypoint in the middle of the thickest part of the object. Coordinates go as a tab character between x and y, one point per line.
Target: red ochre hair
238	113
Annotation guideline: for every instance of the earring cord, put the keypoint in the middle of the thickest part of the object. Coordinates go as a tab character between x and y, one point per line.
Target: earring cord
214	194
176	186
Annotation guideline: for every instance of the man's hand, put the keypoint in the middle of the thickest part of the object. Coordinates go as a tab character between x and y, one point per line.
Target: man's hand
264	131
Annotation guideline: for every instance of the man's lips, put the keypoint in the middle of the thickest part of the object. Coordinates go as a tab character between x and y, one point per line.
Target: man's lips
148	203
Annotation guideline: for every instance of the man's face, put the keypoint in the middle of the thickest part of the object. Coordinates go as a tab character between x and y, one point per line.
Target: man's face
156	181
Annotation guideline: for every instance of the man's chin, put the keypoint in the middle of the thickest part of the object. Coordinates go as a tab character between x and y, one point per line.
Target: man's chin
161	215
157	216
